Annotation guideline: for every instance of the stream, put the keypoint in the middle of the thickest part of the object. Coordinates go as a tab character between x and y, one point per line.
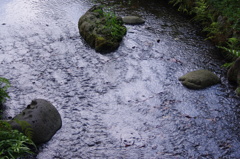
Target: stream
127	104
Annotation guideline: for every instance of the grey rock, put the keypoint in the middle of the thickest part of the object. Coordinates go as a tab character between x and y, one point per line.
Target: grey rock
199	79
43	120
133	20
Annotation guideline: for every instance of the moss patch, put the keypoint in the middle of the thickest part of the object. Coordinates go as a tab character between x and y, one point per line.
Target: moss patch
101	30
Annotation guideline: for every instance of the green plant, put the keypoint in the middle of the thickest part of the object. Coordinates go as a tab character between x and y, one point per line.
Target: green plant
233	43
201	11
114	25
100	11
4	85
219	19
111	26
232	52
13	144
213	30
183	5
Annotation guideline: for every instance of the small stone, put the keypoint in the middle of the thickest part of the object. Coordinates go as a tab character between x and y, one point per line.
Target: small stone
199	79
133	20
154	147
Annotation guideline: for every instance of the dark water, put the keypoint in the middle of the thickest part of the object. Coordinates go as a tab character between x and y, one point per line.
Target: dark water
128	104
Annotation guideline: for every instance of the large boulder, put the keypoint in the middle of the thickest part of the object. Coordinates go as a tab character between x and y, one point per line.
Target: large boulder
40	120
199	79
234	74
101	30
133	20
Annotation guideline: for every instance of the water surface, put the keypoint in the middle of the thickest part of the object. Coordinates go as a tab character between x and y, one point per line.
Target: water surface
127	104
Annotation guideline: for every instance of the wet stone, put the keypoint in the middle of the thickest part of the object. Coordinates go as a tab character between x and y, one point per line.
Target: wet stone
42	118
234	75
133	20
199	79
93	27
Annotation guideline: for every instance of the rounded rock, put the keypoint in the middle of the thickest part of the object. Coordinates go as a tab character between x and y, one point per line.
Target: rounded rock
41	118
199	79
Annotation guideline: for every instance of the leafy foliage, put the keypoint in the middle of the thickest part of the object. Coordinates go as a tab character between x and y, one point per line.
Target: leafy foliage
13	144
220	20
114	25
232	52
4	85
183	5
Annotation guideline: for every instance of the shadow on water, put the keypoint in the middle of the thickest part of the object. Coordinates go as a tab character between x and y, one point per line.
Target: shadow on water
128	104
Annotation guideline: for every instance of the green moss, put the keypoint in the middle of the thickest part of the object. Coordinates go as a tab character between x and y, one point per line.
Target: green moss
102	44
102	30
110	26
99	38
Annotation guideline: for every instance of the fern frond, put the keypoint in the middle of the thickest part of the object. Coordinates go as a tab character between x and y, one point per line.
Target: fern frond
4	83
13	144
227	65
232	51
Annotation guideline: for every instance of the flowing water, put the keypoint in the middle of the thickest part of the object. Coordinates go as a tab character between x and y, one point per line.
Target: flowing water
127	104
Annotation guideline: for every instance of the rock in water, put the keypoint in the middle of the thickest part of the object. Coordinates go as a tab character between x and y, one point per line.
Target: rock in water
234	72
233	75
133	20
199	79
42	118
101	31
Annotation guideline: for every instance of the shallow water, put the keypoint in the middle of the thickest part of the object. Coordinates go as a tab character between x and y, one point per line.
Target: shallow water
127	104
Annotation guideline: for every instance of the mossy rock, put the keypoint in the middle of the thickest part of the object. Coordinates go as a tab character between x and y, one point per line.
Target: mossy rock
234	75
102	31
199	79
234	72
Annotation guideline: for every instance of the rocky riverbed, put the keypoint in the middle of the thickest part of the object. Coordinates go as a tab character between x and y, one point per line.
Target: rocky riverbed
127	104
